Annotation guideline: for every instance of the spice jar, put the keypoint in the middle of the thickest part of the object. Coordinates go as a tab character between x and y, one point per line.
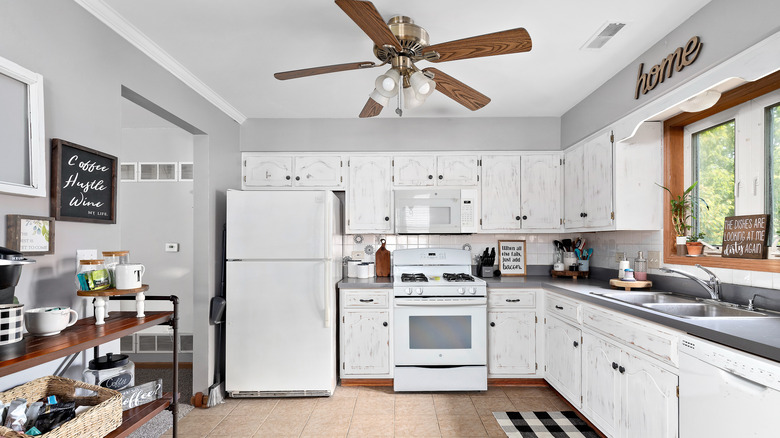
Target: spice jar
640	267
113	258
92	275
112	371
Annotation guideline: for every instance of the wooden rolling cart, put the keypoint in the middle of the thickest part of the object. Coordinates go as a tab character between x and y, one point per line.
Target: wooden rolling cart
37	350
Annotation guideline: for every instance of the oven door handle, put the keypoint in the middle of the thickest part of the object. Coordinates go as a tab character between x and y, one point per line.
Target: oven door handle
440	303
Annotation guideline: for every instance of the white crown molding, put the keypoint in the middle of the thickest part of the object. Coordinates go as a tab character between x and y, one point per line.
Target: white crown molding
126	30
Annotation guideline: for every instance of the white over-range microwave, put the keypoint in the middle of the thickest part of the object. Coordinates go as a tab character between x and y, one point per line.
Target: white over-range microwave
436	211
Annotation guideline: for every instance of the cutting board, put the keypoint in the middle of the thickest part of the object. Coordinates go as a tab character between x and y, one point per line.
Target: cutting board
382	260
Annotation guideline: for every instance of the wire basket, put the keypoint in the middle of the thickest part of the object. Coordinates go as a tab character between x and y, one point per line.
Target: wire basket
103	416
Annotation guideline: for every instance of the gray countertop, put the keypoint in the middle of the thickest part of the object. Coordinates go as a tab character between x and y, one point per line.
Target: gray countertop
754	335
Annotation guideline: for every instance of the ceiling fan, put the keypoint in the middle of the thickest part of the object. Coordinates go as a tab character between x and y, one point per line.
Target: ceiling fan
400	43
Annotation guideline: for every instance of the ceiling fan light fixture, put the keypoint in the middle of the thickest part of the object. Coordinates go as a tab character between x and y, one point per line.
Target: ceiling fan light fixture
412	99
379	98
422	85
388	83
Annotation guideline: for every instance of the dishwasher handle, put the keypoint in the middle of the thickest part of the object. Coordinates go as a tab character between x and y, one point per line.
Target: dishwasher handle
742	383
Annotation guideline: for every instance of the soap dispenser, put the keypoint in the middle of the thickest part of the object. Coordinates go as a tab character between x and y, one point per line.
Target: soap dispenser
640	267
622	266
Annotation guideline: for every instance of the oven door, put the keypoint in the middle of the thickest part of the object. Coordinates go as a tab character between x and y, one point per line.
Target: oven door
440	331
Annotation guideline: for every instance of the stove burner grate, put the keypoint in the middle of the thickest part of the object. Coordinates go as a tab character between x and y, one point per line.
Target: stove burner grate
457	277
414	278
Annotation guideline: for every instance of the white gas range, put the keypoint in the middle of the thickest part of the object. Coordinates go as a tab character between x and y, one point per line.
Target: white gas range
440	316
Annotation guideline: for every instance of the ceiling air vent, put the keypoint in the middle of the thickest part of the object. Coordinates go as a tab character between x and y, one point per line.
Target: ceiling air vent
604	34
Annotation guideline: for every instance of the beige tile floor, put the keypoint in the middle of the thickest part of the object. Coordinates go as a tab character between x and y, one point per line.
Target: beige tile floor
369	412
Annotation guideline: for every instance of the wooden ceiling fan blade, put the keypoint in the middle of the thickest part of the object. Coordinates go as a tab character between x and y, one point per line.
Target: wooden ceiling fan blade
293	74
372	108
499	43
458	91
365	15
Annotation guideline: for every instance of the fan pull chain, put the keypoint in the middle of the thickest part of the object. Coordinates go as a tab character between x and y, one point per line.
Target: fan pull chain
398	110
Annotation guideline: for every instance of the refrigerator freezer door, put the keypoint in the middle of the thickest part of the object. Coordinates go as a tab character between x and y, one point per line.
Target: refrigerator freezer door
281	328
273	225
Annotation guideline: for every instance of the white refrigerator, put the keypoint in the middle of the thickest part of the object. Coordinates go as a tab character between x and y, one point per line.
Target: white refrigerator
283	263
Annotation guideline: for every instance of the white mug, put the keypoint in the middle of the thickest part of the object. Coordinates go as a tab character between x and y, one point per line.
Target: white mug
129	276
47	321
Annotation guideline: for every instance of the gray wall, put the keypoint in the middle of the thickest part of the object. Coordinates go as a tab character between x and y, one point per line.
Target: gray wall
394	134
84	65
726	27
152	213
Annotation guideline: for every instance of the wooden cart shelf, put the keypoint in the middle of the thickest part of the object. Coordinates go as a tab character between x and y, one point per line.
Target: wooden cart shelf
112	292
134	418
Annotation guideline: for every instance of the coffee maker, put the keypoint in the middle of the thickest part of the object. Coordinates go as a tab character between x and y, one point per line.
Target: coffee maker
11	263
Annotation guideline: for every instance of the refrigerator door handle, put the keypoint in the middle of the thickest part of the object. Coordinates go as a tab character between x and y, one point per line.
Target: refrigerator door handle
327	289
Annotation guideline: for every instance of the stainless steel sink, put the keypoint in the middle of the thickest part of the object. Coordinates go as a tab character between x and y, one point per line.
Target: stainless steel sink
647	297
705	310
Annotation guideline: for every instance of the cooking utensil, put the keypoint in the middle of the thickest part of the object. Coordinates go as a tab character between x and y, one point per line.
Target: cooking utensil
577	243
558	245
582	245
566	245
579	254
589	253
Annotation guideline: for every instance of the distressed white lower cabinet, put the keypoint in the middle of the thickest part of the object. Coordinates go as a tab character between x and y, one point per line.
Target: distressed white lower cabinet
563	369
364	332
501	209
511	332
369	195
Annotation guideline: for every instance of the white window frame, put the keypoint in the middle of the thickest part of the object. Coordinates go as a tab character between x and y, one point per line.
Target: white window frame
135	171
157	166
180	173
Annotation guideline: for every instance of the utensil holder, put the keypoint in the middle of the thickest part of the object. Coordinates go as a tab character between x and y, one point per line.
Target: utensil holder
569	258
487	271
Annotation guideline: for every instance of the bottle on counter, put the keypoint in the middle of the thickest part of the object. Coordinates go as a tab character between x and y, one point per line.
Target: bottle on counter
640	267
622	266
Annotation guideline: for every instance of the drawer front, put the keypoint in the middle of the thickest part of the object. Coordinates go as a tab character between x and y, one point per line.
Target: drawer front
364	299
563	307
511	298
649	338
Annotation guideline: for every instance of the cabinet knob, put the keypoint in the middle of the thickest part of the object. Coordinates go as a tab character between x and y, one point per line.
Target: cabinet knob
430	176
441	176
525	217
576	344
517	218
384	324
622	370
297	178
614	365
287	177
492	324
584	214
387	218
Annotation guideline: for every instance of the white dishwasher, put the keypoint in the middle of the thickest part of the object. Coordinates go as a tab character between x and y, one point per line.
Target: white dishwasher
726	392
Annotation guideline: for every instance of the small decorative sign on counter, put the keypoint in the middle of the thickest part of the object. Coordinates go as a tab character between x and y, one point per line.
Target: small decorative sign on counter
511	257
141	394
745	237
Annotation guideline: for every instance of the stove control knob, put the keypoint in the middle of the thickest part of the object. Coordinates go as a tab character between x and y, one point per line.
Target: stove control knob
408	291
418	291
461	291
473	291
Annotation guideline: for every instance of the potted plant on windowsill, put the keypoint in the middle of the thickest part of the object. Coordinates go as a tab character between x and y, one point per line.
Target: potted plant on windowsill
693	245
681	213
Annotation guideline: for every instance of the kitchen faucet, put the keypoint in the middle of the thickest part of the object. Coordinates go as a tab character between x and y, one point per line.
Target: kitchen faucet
712	285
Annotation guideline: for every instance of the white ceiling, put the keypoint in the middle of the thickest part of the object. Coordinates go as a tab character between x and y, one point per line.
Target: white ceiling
235	46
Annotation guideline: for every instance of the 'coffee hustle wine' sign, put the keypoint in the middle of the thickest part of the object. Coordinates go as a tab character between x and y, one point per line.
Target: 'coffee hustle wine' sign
83	183
745	237
675	61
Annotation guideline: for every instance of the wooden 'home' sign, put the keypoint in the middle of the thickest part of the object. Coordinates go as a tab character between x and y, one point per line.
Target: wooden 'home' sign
745	237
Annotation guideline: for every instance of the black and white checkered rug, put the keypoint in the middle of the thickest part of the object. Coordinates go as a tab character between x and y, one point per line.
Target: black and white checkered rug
544	425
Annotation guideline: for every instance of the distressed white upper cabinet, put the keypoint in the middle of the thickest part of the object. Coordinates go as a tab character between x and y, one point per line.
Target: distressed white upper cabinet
511	332
457	170
414	170
563	358
588	187
369	195
318	171
365	333
541	191
601	383
267	171
501	208
638	166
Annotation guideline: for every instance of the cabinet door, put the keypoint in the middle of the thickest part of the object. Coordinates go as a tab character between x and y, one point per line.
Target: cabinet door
365	336
457	170
512	342
501	193
649	399
267	171
564	358
540	191
573	188
369	195
600	382
414	170
318	171
598	181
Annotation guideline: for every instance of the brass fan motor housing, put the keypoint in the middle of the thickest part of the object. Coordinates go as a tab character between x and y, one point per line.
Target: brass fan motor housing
412	37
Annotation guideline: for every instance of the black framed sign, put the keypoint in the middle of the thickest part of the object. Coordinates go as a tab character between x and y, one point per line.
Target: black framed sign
83	183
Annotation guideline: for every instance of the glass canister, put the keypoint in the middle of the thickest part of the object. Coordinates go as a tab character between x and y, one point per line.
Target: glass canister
112	371
113	258
640	267
92	275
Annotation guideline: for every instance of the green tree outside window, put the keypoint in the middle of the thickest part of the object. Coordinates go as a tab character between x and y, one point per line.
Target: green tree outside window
713	152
